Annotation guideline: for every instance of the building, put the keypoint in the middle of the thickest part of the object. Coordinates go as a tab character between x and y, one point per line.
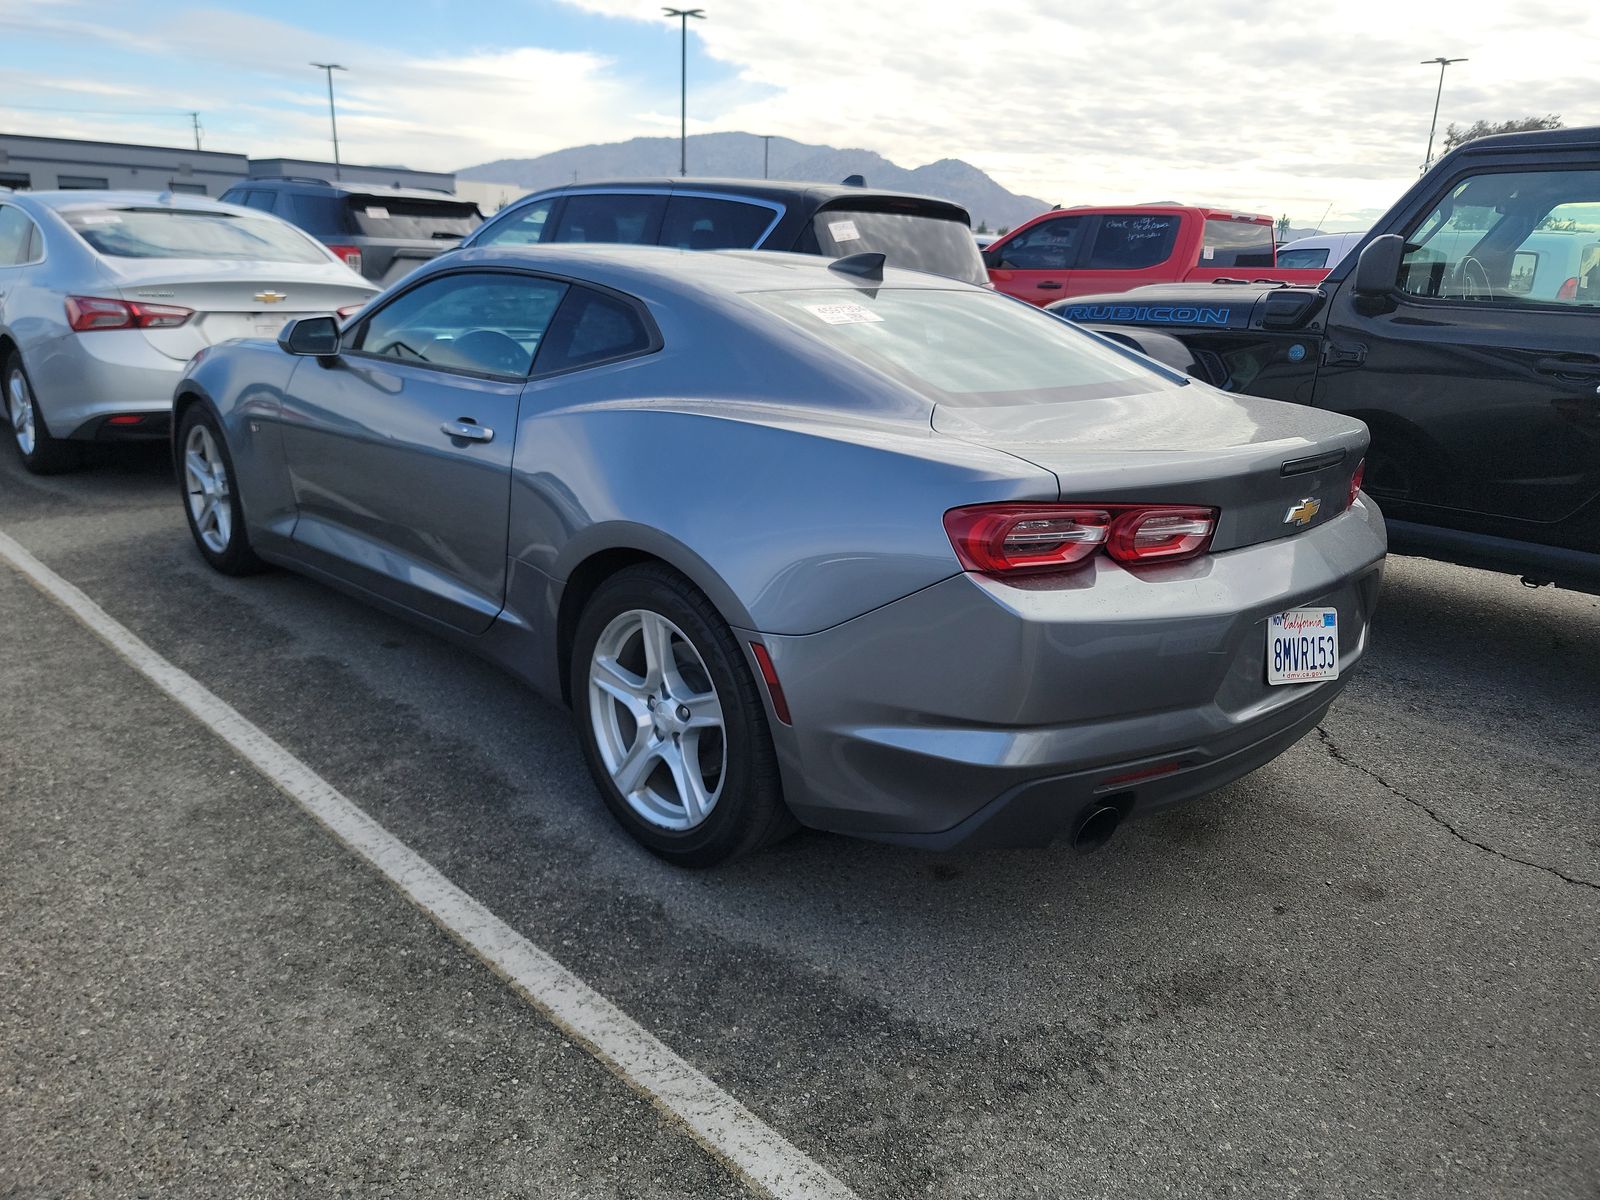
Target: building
48	164
44	164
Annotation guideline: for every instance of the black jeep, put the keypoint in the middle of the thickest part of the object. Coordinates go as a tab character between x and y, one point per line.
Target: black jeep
1465	330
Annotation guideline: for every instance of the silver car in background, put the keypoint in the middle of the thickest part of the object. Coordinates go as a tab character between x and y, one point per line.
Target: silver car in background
104	296
873	551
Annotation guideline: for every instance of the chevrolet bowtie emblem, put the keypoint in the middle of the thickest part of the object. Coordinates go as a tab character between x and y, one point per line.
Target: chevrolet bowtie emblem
270	297
1301	514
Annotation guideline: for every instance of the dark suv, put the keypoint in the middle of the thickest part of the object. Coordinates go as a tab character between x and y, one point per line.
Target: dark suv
382	232
917	232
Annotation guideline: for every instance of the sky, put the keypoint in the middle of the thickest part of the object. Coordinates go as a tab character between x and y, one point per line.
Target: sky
1304	110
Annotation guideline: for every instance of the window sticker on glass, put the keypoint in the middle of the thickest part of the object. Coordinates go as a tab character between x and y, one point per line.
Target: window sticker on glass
99	219
843	314
844	231
1209	252
377	210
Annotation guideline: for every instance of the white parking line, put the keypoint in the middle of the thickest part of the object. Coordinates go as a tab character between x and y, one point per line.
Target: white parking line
719	1122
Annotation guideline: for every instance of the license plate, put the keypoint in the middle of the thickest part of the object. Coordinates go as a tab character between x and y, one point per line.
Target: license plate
269	327
1303	645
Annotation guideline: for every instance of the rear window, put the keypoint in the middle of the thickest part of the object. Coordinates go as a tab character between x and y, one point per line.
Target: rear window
190	233
914	241
1236	244
419	220
965	348
1309	258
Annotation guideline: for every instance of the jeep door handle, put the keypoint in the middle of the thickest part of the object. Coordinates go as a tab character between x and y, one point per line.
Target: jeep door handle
1049	285
1577	366
469	431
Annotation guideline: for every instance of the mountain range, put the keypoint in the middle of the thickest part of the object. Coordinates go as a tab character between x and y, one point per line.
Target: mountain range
740	156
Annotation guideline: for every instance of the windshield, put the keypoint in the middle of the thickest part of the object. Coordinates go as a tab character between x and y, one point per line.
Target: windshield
915	241
964	348
421	220
191	233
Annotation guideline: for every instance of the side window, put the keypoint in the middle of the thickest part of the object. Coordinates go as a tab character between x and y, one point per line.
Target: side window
82	183
1305	259
261	198
629	217
526	227
320	214
1510	238
593	327
1049	246
486	322
16	231
1132	241
701	223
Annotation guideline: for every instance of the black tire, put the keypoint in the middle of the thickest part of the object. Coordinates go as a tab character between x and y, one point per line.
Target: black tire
234	556
47	455
749	812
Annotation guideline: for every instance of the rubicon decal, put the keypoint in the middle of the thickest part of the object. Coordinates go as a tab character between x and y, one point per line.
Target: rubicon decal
1158	314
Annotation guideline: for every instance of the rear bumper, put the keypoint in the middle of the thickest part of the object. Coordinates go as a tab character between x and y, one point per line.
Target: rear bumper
81	380
981	713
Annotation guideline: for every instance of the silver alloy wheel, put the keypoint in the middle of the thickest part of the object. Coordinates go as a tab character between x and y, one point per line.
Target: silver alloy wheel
205	478
657	720
19	407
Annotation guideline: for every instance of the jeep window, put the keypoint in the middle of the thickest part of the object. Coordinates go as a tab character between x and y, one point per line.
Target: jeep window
1132	241
910	240
629	217
702	223
1048	246
418	220
1236	244
1307	259
1510	238
191	233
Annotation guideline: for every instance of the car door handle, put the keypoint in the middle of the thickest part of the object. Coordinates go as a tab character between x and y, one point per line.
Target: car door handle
1580	366
1049	285
469	431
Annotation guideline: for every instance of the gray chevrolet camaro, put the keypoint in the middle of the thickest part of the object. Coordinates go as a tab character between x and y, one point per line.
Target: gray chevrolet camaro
807	542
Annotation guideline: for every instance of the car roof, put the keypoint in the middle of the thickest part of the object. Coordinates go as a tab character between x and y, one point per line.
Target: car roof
779	190
1559	139
648	271
89	198
350	188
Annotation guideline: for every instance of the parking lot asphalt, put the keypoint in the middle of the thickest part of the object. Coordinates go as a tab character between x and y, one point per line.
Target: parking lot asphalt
1370	969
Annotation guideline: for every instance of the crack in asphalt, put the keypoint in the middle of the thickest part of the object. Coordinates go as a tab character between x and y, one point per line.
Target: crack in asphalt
1338	755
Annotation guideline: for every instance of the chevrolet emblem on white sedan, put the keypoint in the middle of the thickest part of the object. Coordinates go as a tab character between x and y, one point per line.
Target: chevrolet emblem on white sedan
1301	514
270	297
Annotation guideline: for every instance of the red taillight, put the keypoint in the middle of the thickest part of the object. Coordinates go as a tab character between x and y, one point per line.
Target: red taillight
769	675
87	314
351	256
125	419
1568	290
1356	481
348	311
1161	533
1018	539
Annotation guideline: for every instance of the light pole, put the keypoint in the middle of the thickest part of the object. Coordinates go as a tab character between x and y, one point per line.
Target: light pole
333	118
766	153
1443	63
683	15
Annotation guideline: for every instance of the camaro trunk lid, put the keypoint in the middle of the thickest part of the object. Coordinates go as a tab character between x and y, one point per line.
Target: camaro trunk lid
1272	469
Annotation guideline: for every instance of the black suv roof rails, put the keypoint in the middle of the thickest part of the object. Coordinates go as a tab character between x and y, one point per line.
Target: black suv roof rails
287	179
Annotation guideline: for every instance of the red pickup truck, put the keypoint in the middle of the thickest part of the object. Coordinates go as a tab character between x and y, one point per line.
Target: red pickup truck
1091	251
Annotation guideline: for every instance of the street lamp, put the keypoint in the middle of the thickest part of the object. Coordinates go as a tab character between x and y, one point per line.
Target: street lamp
1443	63
683	15
333	119
766	153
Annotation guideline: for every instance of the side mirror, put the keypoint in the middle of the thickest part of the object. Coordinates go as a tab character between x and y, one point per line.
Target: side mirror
316	337
1378	268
